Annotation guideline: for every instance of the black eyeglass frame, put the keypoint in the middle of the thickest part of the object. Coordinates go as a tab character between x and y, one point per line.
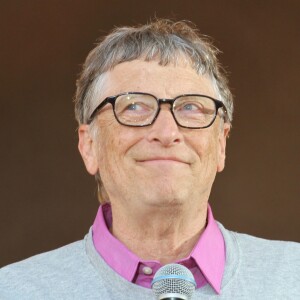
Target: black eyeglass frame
112	101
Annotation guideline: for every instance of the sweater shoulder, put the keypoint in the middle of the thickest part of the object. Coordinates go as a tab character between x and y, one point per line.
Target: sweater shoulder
45	271
263	246
54	259
268	255
261	267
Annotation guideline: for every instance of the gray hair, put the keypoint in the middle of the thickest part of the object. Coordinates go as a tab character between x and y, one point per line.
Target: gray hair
162	40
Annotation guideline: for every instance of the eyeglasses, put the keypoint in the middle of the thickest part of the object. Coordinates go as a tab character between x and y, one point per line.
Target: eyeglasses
141	109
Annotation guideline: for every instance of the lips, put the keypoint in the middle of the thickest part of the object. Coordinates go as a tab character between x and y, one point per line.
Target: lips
163	159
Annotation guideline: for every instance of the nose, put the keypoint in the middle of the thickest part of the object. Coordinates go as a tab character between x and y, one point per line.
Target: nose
164	130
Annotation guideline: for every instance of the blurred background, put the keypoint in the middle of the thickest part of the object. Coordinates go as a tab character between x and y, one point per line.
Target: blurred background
47	199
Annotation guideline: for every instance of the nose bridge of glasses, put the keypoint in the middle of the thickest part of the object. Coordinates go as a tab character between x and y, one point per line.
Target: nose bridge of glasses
166	101
169	101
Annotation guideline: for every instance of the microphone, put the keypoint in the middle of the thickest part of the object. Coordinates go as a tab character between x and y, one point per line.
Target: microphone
173	282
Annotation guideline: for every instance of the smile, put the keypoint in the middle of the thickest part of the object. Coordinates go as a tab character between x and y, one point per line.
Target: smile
162	160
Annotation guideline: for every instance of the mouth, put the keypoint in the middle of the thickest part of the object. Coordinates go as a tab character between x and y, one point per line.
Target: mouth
162	160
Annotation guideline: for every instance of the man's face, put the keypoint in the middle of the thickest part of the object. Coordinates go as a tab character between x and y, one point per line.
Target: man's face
161	163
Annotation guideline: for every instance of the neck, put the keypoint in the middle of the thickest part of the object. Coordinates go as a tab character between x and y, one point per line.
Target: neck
166	234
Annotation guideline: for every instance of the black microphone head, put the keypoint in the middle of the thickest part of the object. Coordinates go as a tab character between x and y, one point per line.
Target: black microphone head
173	281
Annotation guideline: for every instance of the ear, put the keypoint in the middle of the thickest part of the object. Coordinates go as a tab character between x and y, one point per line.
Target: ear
223	135
87	149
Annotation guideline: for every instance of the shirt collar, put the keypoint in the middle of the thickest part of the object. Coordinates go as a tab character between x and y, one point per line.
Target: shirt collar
208	253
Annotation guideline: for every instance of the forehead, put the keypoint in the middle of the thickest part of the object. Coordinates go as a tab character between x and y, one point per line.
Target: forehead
161	81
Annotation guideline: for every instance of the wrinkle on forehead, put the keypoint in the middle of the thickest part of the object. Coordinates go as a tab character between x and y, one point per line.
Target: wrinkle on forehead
170	81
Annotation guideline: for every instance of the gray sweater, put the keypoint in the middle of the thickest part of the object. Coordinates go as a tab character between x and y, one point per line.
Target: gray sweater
255	269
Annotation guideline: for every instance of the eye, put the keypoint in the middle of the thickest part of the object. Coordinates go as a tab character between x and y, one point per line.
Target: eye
134	106
190	106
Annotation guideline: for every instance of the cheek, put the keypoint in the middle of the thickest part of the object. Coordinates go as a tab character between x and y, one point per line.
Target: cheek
107	140
114	143
206	148
106	147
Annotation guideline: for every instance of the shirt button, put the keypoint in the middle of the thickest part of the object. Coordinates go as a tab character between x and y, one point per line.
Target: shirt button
147	271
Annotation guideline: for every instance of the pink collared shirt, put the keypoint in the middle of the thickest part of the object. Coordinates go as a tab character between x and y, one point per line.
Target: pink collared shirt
206	261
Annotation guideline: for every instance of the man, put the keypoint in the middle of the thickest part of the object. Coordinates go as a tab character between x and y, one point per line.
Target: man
154	112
